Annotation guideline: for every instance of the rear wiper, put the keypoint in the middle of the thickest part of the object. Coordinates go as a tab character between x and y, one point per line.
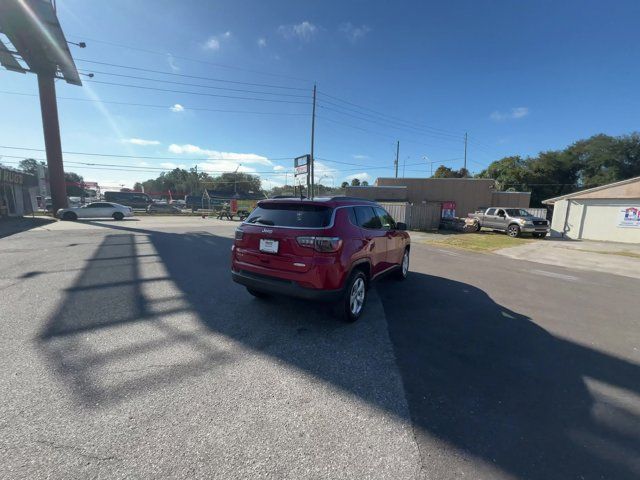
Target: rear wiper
264	222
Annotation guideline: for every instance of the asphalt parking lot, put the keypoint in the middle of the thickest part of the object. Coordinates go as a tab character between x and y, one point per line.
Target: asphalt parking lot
127	352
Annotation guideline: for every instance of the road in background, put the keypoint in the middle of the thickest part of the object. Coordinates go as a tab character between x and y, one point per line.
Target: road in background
127	350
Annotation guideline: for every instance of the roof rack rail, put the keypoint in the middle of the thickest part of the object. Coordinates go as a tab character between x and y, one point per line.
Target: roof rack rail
287	196
346	197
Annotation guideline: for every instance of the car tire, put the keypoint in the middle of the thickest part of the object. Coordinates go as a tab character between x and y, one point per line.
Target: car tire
355	297
69	216
118	216
403	271
258	293
513	231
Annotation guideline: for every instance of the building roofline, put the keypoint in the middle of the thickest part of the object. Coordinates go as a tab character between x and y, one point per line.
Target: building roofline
590	190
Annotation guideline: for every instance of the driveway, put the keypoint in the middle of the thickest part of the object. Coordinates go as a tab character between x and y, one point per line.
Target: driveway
128	352
615	258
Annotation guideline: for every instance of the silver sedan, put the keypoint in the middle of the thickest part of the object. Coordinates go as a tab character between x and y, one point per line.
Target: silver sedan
96	210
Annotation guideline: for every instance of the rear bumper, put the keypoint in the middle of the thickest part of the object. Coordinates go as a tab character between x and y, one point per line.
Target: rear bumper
279	286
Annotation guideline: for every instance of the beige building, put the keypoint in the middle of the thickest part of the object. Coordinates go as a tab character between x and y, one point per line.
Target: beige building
468	194
609	212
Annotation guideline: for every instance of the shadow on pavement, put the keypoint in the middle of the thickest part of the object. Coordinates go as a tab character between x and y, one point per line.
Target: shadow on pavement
478	377
11	226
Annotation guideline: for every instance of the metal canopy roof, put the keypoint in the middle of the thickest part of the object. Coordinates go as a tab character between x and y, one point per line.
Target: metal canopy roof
33	28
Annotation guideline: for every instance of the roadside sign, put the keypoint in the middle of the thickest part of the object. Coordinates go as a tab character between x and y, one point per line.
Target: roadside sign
301	165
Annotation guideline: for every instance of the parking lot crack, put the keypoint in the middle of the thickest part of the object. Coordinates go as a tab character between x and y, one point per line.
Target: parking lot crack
76	450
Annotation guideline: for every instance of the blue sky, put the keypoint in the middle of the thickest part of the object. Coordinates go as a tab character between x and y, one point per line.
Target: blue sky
518	77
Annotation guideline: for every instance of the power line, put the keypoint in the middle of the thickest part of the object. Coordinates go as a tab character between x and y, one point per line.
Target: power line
184	75
197	93
367	117
136	156
91	100
385	115
205	62
373	132
135	77
404	129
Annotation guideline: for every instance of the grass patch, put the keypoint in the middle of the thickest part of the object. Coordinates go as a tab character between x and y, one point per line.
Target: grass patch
477	242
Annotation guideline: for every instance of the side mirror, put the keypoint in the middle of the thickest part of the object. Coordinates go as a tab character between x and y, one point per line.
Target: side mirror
401	226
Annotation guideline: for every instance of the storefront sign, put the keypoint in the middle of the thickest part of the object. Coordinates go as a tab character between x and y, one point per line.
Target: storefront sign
9	176
629	217
448	209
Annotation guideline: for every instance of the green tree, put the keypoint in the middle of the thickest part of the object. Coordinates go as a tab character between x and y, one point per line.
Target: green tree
364	183
137	187
344	185
241	183
355	182
74	184
30	165
447	172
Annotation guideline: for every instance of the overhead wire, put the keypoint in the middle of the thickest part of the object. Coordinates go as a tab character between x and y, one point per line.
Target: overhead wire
143	87
135	77
184	75
182	57
185	107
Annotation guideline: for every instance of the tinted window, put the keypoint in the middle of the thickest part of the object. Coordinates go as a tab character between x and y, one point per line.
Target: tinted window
385	219
367	218
491	211
291	215
93	205
500	212
352	216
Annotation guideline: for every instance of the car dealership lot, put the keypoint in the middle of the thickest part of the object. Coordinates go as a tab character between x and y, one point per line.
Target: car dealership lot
128	351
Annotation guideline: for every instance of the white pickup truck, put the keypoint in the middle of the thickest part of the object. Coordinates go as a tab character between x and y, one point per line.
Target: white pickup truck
514	221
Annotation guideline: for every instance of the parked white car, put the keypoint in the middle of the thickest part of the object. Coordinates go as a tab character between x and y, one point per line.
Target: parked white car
96	210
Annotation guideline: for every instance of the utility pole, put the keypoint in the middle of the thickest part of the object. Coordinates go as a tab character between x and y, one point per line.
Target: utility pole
465	151
235	180
52	144
313	132
397	153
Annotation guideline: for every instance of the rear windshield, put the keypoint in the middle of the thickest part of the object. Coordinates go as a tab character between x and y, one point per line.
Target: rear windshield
291	215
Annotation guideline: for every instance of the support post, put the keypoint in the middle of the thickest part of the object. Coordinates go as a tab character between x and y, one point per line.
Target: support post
313	133
52	143
397	153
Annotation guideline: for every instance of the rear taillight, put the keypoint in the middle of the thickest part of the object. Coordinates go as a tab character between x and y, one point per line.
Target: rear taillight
321	244
239	234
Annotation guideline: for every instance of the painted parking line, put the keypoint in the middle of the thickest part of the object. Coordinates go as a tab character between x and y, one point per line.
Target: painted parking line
561	276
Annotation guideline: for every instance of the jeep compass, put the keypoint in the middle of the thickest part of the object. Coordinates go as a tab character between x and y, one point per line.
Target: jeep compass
323	249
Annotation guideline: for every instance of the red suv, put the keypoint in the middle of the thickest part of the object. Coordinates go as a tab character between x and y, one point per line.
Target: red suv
322	249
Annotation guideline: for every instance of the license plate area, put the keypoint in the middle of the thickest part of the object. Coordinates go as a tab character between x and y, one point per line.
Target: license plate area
268	245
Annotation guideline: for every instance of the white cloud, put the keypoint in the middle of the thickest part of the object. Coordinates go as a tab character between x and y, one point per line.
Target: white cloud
262	42
171	165
177	108
141	141
244	158
354	33
172	63
303	31
218	166
278	168
514	114
360	176
359	156
215	41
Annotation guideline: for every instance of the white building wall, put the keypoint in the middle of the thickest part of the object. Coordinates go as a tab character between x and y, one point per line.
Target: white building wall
593	219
